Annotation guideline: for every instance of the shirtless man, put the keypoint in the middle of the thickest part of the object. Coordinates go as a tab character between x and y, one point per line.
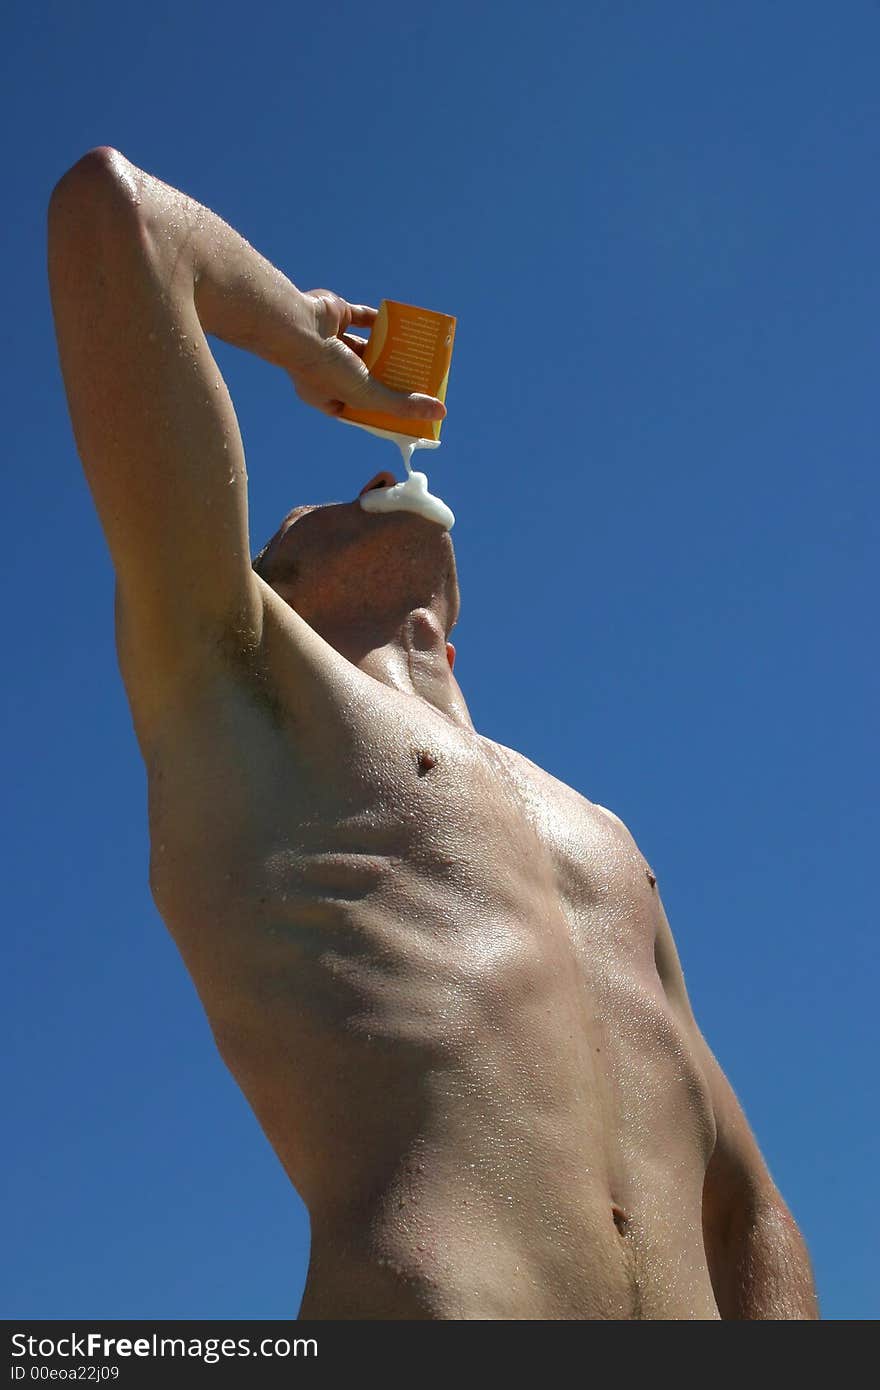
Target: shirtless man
443	979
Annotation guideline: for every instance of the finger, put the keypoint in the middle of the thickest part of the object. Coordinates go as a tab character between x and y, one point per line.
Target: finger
362	316
356	344
321	294
334	311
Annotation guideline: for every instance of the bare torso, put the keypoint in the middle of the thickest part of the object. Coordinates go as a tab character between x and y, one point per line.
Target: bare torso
430	966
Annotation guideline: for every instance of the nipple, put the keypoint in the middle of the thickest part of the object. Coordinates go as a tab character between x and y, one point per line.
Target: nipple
412	494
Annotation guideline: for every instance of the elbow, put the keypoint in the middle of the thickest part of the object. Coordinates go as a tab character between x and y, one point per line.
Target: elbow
762	1210
735	1200
100	173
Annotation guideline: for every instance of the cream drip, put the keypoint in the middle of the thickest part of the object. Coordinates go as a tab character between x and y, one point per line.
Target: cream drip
412	494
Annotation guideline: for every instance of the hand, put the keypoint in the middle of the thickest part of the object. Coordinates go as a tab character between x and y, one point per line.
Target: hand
330	371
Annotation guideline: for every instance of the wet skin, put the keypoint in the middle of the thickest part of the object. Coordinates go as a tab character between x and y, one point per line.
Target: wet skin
431	967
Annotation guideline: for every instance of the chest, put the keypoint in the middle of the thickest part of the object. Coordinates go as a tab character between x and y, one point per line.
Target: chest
388	807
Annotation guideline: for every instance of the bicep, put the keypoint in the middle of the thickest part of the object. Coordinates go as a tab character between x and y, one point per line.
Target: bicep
737	1176
153	422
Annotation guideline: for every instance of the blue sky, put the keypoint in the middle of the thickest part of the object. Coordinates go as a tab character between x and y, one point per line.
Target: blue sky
657	225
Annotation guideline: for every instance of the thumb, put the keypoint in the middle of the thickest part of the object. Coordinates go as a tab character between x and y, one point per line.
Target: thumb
407	405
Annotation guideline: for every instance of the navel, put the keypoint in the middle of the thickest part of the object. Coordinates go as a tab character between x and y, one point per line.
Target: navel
620	1219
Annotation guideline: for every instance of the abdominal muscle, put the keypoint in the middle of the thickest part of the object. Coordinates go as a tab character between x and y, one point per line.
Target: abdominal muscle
482	1102
441	1120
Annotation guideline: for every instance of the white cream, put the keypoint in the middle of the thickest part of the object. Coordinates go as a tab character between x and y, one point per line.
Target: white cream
412	495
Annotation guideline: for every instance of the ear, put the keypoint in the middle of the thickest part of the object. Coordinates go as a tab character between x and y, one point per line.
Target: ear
450	655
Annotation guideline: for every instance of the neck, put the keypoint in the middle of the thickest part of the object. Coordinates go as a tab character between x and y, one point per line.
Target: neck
407	653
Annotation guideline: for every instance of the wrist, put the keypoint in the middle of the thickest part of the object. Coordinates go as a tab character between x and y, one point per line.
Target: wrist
248	302
296	339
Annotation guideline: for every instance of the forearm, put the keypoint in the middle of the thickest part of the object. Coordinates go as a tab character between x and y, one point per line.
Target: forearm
762	1270
239	296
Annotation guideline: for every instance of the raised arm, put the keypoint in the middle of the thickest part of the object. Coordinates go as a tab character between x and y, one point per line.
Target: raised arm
758	1262
139	273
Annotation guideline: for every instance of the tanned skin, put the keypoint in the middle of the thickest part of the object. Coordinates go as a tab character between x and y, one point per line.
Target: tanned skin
443	979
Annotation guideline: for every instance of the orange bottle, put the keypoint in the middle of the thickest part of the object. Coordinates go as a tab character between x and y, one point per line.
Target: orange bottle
409	349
